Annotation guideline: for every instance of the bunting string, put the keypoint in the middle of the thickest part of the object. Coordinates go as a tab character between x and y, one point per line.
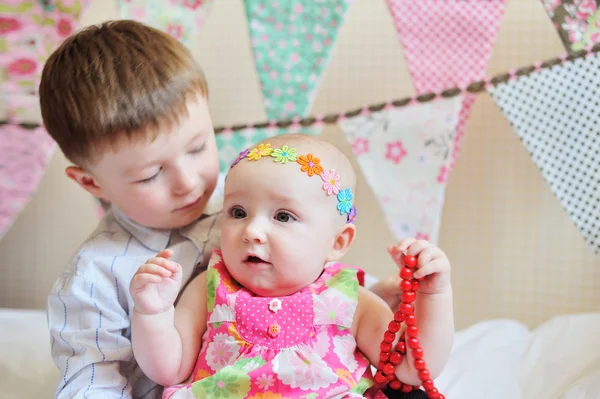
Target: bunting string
475	87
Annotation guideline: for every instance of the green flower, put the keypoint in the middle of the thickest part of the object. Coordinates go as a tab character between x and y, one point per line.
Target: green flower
226	383
284	154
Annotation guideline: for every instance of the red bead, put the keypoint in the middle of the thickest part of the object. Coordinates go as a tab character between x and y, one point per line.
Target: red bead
396	384
433	393
419	364
406	285
406	388
410	261
385	346
415	285
384	356
417	353
428	385
412	343
388	369
406	273
396	358
401	347
398	317
412	331
408	296
390	377
410	319
424	375
394	326
440	396
379	377
389	336
406	308
416	387
381	364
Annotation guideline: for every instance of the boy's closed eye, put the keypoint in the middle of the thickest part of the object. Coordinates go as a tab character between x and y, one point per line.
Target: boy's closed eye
149	179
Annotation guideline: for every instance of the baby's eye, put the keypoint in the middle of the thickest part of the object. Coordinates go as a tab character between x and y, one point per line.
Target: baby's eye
284	217
237	213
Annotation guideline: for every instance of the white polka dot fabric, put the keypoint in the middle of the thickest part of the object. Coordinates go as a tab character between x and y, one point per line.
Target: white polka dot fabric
556	113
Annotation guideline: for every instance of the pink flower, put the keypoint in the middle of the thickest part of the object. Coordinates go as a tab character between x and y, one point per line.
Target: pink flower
360	146
22	66
192	4
64	27
575	28
175	30
422	236
395	151
9	24
586	9
331	182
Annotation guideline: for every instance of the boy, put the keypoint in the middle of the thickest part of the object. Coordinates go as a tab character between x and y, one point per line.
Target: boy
127	105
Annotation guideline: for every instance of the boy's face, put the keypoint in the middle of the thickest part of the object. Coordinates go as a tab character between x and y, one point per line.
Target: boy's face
163	183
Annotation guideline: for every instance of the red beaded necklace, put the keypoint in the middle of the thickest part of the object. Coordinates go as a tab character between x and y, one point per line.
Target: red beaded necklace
388	359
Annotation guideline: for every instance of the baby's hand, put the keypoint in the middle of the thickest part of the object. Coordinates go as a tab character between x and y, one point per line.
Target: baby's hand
156	284
433	264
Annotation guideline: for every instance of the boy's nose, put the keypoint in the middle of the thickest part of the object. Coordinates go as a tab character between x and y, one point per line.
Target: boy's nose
185	183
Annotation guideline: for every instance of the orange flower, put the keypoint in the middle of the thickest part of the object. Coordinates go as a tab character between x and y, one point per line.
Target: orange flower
310	164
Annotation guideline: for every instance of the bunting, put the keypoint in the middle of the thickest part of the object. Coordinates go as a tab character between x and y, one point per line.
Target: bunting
555	112
401	152
182	19
577	22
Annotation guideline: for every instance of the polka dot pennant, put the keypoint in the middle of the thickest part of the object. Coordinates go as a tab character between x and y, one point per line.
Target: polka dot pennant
182	19
556	114
292	41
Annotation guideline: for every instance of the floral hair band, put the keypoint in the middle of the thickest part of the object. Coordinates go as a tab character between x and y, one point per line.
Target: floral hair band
310	165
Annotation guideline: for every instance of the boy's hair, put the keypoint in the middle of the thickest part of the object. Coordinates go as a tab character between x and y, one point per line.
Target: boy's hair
114	80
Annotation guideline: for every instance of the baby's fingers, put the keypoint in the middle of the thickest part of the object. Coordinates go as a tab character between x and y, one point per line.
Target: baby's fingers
435	266
163	263
158	270
143	279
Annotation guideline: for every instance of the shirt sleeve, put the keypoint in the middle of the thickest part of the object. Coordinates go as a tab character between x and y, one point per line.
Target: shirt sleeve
86	322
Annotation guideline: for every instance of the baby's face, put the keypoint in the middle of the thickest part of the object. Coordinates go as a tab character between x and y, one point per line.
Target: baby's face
279	225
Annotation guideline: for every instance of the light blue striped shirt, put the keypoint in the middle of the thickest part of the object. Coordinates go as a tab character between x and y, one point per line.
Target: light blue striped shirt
89	305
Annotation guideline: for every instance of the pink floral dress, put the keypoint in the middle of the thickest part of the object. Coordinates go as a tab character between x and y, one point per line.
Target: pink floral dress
298	346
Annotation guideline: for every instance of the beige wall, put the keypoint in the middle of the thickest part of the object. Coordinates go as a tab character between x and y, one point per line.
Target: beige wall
515	252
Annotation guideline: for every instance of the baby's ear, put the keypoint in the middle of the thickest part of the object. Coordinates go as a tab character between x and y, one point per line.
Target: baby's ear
84	179
342	242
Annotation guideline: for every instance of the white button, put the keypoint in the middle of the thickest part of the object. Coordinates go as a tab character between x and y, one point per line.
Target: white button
275	305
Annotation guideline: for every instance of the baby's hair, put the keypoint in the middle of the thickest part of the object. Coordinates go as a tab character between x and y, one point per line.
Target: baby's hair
114	80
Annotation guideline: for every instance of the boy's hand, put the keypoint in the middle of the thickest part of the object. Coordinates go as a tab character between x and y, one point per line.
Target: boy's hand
432	264
156	284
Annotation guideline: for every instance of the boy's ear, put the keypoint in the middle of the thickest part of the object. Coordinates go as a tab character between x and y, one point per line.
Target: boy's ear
342	242
85	180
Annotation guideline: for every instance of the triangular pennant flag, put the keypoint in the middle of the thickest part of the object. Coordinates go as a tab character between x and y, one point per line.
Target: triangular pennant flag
401	152
182	19
577	22
231	143
292	42
447	44
24	155
556	114
31	30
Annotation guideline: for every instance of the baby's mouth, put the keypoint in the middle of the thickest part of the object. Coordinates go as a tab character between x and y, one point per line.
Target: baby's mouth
254	259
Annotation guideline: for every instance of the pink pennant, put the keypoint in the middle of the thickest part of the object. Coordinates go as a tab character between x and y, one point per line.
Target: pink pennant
447	43
24	155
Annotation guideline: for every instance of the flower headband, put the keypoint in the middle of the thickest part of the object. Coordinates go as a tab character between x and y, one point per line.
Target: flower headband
309	164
